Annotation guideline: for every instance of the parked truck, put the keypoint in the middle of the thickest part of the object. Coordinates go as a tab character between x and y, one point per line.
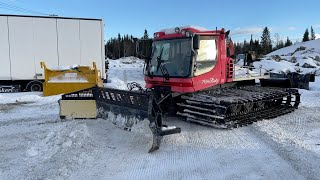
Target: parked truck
25	41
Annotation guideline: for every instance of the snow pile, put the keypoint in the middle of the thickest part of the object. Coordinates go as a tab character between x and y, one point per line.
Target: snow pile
309	48
116	83
67	79
27	97
126	62
64	68
67	145
245	72
123	71
301	57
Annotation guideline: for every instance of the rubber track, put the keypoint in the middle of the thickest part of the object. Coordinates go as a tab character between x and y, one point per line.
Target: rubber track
237	106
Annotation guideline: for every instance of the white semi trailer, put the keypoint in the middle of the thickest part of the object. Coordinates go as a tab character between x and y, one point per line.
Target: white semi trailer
25	41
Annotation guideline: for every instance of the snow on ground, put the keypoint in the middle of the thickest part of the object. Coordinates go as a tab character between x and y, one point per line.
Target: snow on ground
36	144
245	72
311	98
125	70
301	57
312	49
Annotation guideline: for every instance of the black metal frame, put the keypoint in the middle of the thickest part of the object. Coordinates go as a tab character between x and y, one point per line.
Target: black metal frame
289	80
56	17
140	105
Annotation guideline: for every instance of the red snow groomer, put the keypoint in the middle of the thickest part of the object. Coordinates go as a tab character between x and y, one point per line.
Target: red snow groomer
190	73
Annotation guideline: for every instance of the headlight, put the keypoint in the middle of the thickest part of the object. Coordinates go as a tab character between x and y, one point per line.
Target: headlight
177	30
189	34
183	32
156	35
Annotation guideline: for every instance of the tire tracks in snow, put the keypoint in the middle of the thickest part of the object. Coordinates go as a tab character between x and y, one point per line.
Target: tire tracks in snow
285	135
27	114
125	77
208	153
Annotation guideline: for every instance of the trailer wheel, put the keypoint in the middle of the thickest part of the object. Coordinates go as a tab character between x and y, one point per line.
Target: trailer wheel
34	86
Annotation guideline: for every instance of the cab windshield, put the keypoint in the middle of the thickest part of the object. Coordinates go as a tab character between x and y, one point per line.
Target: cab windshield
172	55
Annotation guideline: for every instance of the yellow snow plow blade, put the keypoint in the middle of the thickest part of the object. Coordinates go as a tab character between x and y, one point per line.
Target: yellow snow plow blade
63	81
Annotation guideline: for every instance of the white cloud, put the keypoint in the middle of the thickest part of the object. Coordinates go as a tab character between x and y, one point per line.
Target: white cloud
316	26
292	28
247	31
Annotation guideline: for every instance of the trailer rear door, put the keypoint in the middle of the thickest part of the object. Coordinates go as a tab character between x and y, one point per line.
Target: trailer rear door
21	47
5	73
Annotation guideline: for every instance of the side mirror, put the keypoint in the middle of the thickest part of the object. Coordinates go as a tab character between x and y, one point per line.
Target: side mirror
227	34
196	41
144	48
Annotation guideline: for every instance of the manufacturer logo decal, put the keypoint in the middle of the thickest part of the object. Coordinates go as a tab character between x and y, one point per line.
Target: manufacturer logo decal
210	81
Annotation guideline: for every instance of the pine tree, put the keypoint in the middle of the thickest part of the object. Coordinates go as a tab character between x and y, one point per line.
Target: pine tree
251	43
237	48
288	42
257	47
266	41
280	44
313	35
246	46
145	35
121	46
306	36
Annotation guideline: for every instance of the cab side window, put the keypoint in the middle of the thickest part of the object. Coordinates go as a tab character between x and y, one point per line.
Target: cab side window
207	55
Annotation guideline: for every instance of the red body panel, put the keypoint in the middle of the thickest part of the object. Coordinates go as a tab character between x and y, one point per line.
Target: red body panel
218	75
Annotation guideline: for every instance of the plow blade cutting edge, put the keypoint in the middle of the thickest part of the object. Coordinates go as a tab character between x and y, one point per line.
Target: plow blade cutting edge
128	107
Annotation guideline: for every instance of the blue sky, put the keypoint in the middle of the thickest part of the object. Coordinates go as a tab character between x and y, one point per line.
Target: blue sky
242	17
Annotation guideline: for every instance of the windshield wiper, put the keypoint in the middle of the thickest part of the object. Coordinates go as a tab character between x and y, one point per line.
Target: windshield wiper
159	59
163	69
